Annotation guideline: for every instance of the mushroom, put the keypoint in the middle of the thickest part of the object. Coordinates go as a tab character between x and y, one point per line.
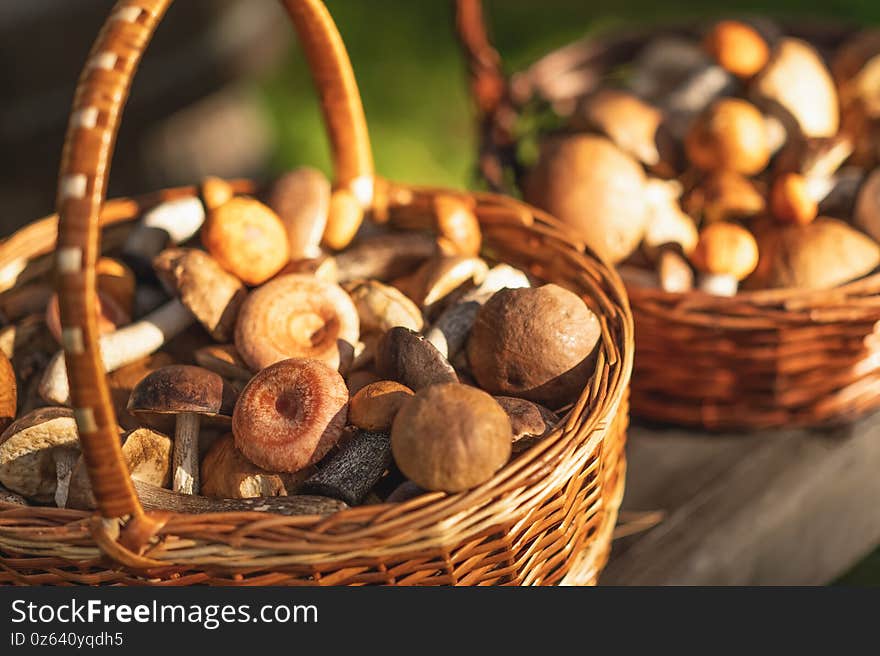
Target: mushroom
408	358
290	415
867	210
186	393
173	222
351	472
440	276
38	453
227	474
725	254
458	230
123	381
724	196
297	316
529	421
216	192
380	307
796	198
590	184
126	345
23	300
358	380
8	392
796	86
7	496
322	267
108	314
670	235
301	199
148	298
365	351
856	69
450	330
730	134
820	255
204	287
384	257
344	217
450	438
374	407
224	360
737	47
247	239
667	64
147	455
538	344
404	492
634	125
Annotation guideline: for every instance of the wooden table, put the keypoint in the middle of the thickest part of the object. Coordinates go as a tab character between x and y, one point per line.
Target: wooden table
793	507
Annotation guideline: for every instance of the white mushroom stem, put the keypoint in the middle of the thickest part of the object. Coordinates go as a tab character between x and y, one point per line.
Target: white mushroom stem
449	332
676	275
122	347
65	461
719	284
186	453
175	222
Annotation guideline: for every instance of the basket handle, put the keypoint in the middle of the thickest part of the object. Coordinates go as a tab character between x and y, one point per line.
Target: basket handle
91	135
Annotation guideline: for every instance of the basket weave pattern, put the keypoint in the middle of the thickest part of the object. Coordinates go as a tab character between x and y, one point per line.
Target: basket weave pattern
545	518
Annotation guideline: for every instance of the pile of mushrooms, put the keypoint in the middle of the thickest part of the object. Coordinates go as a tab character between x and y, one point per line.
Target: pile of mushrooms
248	361
739	157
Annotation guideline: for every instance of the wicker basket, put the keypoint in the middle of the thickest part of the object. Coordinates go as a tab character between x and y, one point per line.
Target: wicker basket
545	518
763	359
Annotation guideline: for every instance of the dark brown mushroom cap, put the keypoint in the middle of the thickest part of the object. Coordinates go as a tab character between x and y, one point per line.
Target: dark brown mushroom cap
177	389
534	343
8	392
450	437
27	446
529	421
406	357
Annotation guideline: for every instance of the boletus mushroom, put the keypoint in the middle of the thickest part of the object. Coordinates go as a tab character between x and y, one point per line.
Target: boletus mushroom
38	453
227	474
593	186
301	199
297	316
737	47
187	394
374	407
450	438
730	134
536	343
408	358
290	415
725	254
529	421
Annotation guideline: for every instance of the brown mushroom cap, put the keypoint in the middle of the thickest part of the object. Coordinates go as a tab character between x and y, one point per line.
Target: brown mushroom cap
123	381
27	458
534	343
529	421
797	87
724	196
146	453
790	199
8	392
450	437
227	474
290	415
358	380
8	496
178	389
247	239
301	199
820	255
381	307
297	316
204	287
737	47
726	249
589	183
408	358
730	134
374	407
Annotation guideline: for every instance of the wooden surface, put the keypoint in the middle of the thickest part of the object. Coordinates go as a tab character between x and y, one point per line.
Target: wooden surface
773	508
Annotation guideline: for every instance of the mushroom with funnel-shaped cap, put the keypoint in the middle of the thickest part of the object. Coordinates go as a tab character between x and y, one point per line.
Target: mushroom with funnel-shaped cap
297	316
38	453
301	199
737	47
730	134
187	394
725	254
290	415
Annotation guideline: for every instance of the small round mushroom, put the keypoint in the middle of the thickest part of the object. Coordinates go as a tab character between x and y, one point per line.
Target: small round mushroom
725	254
109	314
381	307
186	393
204	287
38	453
820	255
791	200
290	415
227	474
301	199
223	359
796	86
730	134
737	47
724	196
247	239
147	456
450	438
590	184
374	407
8	392
408	358
867	209
537	343
297	316
529	421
